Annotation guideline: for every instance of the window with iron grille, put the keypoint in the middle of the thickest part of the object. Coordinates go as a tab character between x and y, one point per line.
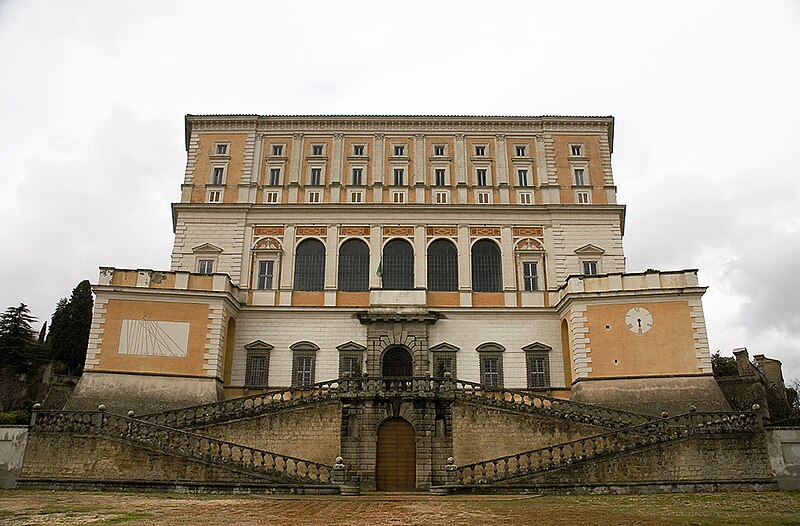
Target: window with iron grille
442	266
303	368
257	367
309	266
439	177
530	276
398	265
492	369
444	362
538	369
354	266
350	363
265	269
487	273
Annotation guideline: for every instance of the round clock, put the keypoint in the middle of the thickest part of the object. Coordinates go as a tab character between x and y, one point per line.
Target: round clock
639	320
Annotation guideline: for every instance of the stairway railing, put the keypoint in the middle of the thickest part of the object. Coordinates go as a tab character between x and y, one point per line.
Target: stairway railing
228	455
506	468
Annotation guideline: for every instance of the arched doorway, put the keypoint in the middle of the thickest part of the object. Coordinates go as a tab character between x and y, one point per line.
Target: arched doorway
397	361
396	456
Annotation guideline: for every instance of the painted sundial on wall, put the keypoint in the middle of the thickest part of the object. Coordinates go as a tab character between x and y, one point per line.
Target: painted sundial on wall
639	320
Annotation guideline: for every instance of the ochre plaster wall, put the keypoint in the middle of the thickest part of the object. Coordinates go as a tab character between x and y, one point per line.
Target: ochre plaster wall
197	314
667	348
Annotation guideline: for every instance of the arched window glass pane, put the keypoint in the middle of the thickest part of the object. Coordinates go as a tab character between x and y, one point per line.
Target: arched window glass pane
442	266
487	274
354	266
398	265
309	266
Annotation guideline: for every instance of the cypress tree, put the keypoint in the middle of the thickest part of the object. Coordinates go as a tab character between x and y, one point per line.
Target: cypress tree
69	330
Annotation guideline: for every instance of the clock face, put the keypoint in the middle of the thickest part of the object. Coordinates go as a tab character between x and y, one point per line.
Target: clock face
639	320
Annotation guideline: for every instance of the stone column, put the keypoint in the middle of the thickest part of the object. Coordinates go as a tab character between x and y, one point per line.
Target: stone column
375	253
464	255
331	264
420	259
509	274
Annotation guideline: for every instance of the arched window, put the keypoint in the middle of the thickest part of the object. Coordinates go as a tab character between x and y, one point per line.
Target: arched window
354	265
487	273
309	266
398	265
442	266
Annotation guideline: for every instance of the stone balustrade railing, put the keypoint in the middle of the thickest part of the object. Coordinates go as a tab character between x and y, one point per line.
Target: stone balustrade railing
507	468
261	403
538	403
235	457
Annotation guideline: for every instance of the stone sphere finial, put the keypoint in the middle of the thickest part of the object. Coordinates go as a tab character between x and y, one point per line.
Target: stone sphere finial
450	461
664	414
37	406
692	408
339	460
131	414
447	374
756	407
101	408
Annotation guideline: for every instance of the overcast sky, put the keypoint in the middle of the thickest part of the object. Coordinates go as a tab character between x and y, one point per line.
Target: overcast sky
706	96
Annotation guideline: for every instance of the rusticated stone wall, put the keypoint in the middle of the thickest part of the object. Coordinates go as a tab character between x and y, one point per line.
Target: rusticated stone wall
482	433
309	433
65	457
722	458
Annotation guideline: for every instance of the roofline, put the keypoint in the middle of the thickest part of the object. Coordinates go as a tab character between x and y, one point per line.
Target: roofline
255	119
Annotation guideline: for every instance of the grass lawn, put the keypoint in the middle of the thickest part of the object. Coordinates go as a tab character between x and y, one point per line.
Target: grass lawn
28	507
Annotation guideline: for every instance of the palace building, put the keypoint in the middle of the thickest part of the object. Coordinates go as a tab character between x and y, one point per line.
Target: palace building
399	262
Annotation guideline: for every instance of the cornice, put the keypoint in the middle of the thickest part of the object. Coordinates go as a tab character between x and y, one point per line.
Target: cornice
450	124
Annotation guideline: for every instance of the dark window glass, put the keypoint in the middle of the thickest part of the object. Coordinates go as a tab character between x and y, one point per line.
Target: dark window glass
398	265
487	273
442	266
354	266
309	265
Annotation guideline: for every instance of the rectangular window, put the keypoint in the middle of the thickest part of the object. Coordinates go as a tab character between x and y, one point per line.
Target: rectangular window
576	150
265	275
217	174
358	149
357	176
538	370
525	198
439	177
491	376
316	149
440	198
480	151
583	198
271	197
521	151
522	175
256	373
399	150
357	197
590	268
484	198
277	149
398	197
444	363
580	177
398	176
316	175
314	197
205	266
275	176
438	150
480	175
304	370
222	149
350	363
530	276
214	196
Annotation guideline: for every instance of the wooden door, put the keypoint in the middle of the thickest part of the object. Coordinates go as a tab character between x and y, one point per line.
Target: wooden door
396	459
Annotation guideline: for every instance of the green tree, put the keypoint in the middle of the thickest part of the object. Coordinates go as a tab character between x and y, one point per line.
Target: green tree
723	365
69	330
21	356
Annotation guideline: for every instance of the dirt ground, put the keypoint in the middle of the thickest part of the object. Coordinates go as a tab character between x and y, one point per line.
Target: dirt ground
25	507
